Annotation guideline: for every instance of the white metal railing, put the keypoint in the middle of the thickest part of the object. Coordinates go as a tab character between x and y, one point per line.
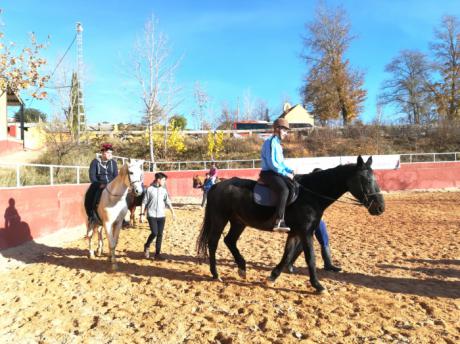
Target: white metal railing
429	157
193	164
55	174
52	176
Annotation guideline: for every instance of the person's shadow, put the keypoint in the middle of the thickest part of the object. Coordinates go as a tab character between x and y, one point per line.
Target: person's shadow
15	231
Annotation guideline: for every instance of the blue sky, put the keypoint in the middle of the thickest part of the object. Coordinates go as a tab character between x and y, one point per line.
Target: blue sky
232	47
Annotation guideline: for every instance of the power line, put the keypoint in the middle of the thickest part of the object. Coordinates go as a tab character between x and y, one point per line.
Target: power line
55	68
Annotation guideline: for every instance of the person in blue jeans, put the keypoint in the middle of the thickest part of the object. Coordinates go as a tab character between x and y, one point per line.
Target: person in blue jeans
323	238
207	184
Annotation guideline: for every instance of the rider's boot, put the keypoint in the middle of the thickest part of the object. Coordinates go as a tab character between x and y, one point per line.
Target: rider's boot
326	254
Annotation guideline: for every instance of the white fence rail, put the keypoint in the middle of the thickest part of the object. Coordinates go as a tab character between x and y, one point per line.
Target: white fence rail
25	174
429	157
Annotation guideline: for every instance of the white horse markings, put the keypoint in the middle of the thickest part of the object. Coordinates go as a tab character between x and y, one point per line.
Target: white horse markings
112	207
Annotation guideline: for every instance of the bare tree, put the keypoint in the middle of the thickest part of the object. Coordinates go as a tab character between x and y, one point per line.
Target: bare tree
446	49
332	88
408	88
248	105
261	111
154	70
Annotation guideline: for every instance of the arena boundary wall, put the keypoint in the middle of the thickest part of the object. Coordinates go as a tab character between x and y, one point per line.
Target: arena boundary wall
36	211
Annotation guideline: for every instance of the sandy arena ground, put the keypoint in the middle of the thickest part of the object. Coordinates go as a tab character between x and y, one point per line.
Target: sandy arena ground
401	284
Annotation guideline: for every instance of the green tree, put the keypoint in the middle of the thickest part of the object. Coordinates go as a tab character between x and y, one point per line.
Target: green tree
72	111
178	121
30	115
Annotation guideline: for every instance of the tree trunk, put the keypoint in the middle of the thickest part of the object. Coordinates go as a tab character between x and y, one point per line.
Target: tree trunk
152	155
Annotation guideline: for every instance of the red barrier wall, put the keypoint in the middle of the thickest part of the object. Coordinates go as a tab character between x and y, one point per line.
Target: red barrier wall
180	183
420	176
9	146
33	212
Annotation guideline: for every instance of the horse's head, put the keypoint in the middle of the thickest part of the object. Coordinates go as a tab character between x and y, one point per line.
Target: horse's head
197	182
363	186
135	175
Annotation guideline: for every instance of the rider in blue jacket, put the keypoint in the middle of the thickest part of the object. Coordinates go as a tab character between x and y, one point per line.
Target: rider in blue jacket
275	173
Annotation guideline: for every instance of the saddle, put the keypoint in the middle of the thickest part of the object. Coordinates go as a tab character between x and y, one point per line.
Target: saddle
265	196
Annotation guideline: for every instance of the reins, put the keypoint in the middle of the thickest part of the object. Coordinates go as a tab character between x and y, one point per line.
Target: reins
354	201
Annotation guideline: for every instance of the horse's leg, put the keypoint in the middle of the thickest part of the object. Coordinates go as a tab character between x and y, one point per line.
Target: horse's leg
230	240
297	251
112	244
132	219
116	231
100	242
213	241
89	235
307	244
289	249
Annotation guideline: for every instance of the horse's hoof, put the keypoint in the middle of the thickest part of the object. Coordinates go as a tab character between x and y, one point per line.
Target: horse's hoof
270	281
242	273
332	268
114	266
218	279
91	255
321	290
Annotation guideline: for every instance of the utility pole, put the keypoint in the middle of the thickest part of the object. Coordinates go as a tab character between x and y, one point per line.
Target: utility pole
80	105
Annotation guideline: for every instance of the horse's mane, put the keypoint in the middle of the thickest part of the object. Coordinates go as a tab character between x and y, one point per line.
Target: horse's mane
318	177
123	169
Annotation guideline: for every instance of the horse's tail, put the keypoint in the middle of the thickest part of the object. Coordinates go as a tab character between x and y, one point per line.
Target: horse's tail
202	241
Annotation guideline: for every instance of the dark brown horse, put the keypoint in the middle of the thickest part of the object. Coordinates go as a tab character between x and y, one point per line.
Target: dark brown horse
232	201
133	201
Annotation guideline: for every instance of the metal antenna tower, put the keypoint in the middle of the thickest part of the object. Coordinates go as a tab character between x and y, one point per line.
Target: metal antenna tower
80	108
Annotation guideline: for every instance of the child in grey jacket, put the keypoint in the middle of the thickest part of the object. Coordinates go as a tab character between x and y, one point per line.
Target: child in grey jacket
155	201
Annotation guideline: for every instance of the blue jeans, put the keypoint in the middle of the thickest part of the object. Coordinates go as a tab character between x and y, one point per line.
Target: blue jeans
321	234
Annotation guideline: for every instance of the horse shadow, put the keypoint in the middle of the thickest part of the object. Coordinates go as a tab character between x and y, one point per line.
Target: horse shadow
436	261
427	271
429	287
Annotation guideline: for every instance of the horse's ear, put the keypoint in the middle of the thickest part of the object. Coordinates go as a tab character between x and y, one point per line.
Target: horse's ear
360	162
369	162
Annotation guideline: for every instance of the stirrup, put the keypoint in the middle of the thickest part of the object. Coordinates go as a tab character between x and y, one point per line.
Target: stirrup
281	227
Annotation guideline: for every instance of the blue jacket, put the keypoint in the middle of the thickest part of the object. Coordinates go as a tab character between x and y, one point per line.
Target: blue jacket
272	157
98	173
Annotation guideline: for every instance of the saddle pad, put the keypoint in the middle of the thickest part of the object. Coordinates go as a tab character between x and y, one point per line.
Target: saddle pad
264	196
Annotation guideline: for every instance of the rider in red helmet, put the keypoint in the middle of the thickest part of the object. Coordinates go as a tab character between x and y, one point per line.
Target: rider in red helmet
102	171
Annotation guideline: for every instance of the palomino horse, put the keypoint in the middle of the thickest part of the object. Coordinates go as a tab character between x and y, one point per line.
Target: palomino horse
232	200
112	207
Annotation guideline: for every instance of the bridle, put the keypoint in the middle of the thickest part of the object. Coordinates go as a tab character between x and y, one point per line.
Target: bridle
130	185
354	201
